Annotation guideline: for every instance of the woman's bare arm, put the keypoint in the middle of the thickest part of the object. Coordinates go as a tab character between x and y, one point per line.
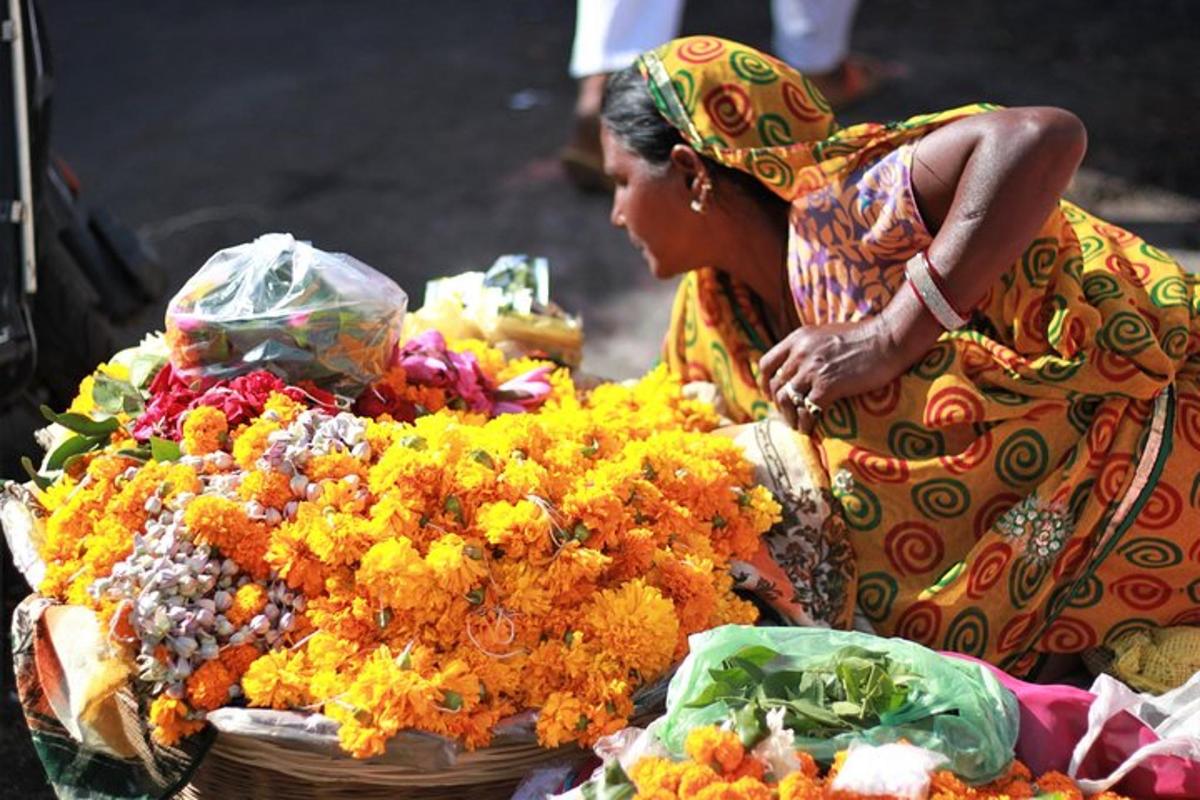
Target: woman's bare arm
985	185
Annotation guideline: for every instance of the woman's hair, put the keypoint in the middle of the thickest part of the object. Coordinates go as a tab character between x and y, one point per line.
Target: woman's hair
629	112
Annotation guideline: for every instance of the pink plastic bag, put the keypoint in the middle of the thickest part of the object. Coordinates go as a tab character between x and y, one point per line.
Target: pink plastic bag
1058	720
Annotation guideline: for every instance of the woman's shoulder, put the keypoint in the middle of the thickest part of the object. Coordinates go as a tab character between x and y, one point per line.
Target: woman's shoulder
877	191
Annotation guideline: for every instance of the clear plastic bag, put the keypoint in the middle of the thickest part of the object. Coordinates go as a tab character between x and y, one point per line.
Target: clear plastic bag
957	709
282	304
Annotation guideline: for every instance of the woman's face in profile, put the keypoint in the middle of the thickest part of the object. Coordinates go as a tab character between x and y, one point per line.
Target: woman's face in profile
652	205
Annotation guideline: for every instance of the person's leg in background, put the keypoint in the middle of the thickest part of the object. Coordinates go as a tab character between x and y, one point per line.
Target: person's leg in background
814	37
609	35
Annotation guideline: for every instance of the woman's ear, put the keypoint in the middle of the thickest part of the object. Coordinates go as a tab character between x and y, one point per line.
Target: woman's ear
690	165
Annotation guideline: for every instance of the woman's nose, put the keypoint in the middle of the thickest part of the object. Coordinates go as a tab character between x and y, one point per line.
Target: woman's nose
617	216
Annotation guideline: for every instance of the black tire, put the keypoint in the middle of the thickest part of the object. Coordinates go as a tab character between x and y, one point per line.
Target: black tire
74	332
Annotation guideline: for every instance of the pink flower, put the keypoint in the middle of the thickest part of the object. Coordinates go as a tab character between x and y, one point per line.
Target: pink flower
525	392
427	362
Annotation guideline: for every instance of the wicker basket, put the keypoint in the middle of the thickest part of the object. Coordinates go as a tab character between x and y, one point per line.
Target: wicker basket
244	766
248	767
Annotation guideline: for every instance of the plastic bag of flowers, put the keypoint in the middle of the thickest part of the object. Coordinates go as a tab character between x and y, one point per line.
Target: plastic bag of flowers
470	540
794	714
283	304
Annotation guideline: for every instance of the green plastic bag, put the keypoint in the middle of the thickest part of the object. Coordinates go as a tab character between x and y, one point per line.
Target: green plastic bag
953	707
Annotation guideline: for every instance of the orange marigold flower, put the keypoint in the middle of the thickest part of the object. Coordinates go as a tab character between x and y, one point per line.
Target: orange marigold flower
223	523
238	658
169	718
208	686
720	749
205	430
334	466
1054	781
561	719
271	489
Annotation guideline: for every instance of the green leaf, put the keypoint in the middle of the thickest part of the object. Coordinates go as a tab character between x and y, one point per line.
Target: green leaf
113	396
612	784
844	708
76	445
712	693
78	423
452	700
752	670
39	480
750	722
482	457
143	368
140	453
163	450
758	655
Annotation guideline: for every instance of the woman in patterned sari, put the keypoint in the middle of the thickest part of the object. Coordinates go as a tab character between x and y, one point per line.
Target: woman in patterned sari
1002	391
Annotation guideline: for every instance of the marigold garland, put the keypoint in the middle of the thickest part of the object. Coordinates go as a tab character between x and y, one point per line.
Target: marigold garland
718	767
416	567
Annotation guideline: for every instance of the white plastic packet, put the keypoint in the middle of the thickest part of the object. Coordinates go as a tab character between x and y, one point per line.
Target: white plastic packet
896	770
1174	716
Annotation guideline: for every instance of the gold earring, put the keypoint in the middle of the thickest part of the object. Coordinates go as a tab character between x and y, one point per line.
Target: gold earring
697	203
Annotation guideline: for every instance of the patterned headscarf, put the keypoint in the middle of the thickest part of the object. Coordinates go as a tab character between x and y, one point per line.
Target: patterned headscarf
749	110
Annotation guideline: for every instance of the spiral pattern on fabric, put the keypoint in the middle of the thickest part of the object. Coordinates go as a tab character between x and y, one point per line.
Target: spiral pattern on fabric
941	498
913	548
1023	458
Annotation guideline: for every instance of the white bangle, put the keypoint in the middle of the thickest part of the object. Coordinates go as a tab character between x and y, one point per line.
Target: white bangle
926	284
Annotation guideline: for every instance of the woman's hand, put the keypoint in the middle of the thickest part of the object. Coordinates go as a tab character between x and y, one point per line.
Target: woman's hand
825	363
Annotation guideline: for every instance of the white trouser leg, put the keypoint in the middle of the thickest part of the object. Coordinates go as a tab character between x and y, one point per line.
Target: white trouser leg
610	34
812	35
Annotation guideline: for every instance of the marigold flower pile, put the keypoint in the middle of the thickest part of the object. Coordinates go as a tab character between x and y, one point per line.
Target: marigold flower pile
438	573
718	767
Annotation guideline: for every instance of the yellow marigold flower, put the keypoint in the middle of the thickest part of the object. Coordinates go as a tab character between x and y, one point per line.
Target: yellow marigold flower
695	778
394	572
801	785
169	718
636	625
653	774
277	680
720	749
208	686
250	442
455	565
271	489
205	430
283	406
84	403
56	494
733	610
248	600
521	529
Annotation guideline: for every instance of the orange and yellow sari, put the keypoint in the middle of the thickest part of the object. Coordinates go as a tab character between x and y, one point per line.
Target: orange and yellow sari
1032	486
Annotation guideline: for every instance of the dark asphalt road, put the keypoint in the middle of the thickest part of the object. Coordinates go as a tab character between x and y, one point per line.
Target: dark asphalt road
384	128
